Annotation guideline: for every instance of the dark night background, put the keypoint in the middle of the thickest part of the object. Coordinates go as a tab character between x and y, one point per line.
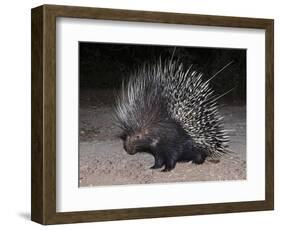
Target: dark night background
102	66
102	158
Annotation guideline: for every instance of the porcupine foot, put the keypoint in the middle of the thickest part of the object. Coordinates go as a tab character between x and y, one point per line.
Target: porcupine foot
196	154
159	162
199	156
169	165
199	159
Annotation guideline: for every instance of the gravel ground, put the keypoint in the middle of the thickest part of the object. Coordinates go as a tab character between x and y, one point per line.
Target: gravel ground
104	162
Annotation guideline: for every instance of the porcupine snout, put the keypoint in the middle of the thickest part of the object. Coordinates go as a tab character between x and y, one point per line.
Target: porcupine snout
135	143
130	145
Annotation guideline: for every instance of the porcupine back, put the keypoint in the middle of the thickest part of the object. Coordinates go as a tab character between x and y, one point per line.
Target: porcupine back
165	90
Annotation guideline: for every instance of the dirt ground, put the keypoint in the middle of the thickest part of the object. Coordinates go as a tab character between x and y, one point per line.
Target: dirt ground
103	161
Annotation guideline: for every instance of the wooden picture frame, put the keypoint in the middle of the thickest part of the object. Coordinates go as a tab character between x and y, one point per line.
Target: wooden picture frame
43	205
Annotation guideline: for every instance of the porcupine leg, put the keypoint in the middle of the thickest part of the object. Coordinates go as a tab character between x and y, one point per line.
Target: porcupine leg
199	157
193	153
159	162
169	165
170	161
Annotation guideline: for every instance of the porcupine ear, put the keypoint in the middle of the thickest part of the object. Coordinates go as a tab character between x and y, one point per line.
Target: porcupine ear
123	136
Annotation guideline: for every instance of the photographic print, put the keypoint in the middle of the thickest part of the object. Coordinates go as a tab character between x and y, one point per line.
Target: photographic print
161	114
154	105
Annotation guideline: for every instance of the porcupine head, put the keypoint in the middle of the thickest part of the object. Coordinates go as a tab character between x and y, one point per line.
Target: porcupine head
142	131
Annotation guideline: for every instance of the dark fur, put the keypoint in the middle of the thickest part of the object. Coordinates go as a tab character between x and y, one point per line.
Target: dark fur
168	142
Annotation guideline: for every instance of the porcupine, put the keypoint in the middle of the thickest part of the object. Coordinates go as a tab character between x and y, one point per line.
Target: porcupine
171	113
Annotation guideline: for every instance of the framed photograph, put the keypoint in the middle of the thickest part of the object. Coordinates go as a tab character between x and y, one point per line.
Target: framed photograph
141	114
